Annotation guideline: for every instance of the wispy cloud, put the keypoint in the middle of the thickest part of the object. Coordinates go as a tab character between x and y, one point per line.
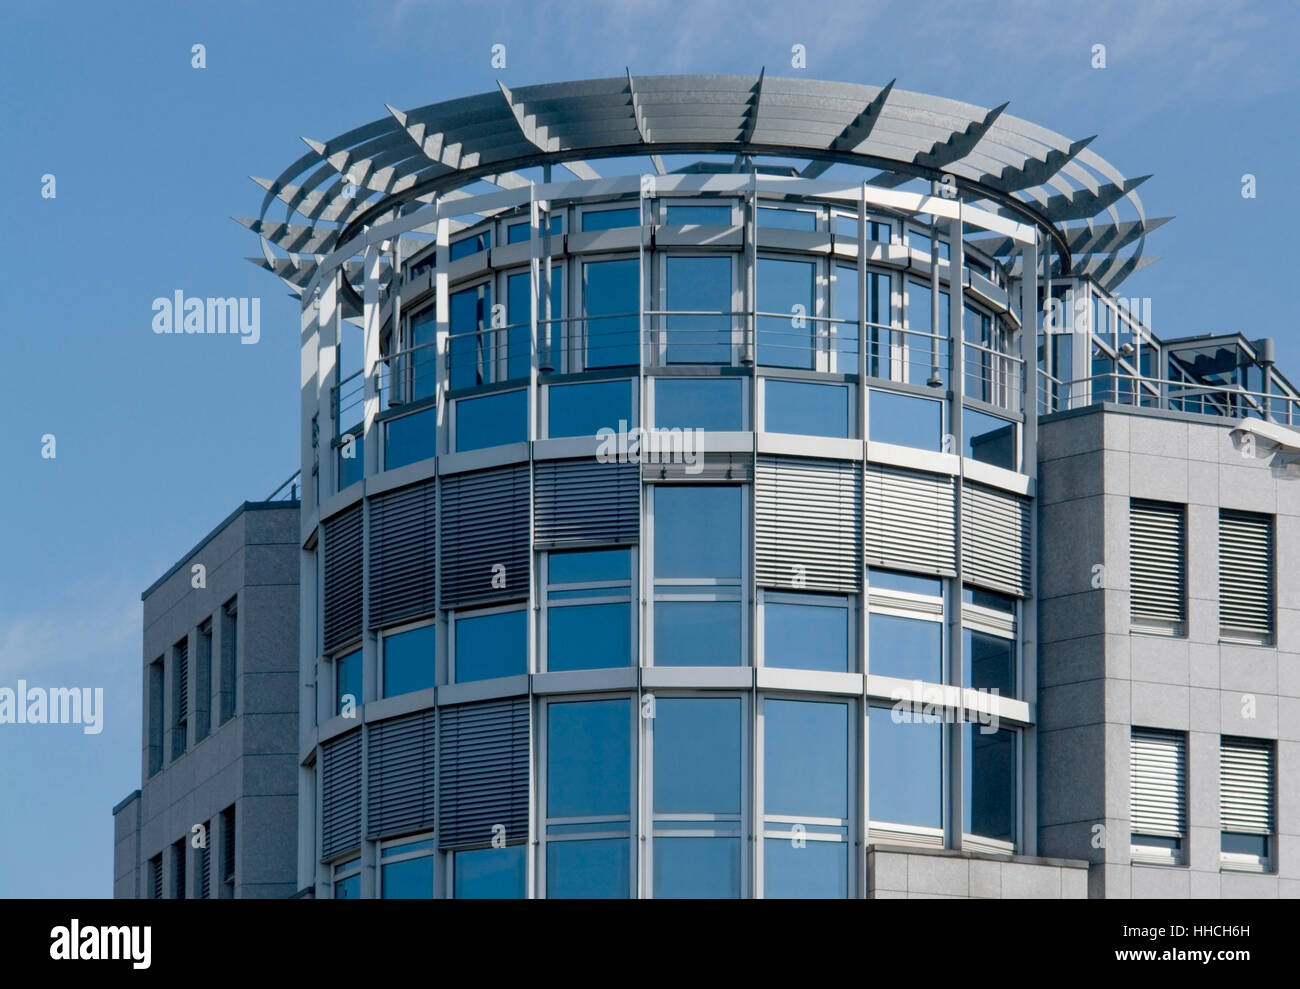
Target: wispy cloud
91	622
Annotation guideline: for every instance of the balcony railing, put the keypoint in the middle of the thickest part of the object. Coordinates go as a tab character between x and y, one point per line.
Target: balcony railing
1228	401
290	490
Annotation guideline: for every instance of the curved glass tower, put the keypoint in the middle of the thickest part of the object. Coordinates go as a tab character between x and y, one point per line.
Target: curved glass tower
669	450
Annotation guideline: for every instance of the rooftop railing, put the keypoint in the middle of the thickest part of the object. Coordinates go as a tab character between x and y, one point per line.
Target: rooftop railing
1228	401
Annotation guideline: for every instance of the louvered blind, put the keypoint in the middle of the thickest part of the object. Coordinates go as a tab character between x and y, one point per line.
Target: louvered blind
156	877
707	467
1245	575
586	501
1157	564
400	775
485	529
995	540
228	844
1157	783
342	598
402	561
483	772
807	532
909	520
182	680
205	871
178	863
1245	786
340	794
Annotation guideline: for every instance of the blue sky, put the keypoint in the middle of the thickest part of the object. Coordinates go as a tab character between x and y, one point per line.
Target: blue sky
159	438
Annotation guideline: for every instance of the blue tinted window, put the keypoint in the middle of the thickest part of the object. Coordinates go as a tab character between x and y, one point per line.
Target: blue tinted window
611	295
352	468
813	636
905	421
918	241
471	353
908	648
348	889
922	361
815	870
699	215
989	782
906	769
697	757
787	219
608	219
989	439
847	226
471	245
492	420
697	530
787	288
990	662
490	873
409	660
844	306
894	581
806	751
411	879
490	646
806	407
347	680
518	232
698	285
696	868
697	633
424	356
519	291
699	403
410	438
588	636
591	870
589	565
588	755
584	410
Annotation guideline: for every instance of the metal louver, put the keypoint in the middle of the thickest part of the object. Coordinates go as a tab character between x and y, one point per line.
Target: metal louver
1246	576
400	774
156	877
995	540
807	533
581	502
1157	565
707	467
485	536
342	596
402	558
1245	786
340	794
1157	781
910	522
483	772
205	871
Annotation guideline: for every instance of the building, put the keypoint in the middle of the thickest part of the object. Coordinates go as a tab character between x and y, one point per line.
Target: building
673	524
216	814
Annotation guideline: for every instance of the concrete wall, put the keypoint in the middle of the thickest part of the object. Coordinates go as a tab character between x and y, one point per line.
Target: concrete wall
1097	680
897	872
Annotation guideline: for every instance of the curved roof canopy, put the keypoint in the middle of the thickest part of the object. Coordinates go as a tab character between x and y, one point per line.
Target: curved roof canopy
1001	163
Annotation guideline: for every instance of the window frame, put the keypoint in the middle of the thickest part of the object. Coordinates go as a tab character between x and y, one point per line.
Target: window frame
454	616
610	595
385	857
659	344
847	603
393	631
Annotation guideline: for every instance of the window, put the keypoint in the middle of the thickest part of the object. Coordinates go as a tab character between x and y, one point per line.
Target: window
178	869
786	219
698	800
988	439
787	295
471	353
228	850
156	715
156	877
807	632
713	216
406	869
490	873
347	683
1157	793
492	420
806	408
408	660
1245	577
180	696
347	880
905	627
714	404
1246	802
906	771
203	683
473	244
424	355
805	799
351	460
608	219
920	241
519	305
905	420
586	409
494	644
927	353
989	642
1157	567
611	302
698	538
699	292
517	233
589	610
229	658
410	438
989	804
589	799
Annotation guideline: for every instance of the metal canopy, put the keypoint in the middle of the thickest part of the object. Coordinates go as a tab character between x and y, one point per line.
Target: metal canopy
1001	163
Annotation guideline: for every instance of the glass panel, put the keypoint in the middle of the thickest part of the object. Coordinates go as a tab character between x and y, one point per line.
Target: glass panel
989	782
812	636
844	305
466	246
517	233
353	468
817	870
988	599
409	660
611	291
490	873
348	889
905	421
696	284
990	663
718	216
471	352
1237	843
908	648
806	751
411	438
608	219
788	288
519	291
696	868
411	879
906	776
806	407
584	410
786	219
490	646
989	439
927	355
589	565
894	581
424	361
919	241
588	636
697	633
492	420
697	531
347	680
588	756
697	758
714	404
589	870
